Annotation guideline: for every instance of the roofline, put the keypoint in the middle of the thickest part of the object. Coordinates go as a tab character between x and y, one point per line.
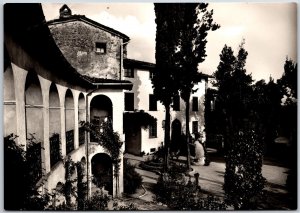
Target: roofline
88	21
132	63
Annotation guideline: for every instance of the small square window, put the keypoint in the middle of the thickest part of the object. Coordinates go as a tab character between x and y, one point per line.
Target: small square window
100	47
129	72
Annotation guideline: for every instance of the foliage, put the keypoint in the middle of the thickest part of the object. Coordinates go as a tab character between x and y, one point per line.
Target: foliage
97	202
177	193
243	175
109	140
81	187
137	119
236	105
163	81
132	179
288	81
129	207
20	191
68	188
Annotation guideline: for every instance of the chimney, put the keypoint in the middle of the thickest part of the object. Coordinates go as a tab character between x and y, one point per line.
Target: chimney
65	11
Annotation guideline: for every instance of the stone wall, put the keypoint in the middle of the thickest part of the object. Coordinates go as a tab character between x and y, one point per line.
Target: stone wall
77	41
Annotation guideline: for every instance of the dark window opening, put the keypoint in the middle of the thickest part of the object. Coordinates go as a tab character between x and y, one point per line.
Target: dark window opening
195	104
153	130
100	48
151	74
152	103
129	101
129	73
195	126
176	103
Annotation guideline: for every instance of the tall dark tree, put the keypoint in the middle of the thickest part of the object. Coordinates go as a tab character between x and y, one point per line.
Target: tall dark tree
243	180
163	80
288	122
194	21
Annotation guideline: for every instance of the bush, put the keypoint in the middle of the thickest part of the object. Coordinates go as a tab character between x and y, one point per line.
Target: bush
132	179
243	180
97	202
178	193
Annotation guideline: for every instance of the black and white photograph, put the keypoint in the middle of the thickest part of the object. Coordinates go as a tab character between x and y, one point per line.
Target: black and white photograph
161	106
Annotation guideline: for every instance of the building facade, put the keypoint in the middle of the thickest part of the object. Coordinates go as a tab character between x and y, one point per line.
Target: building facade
46	99
141	98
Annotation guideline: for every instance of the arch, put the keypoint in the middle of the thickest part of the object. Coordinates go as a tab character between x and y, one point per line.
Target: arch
102	171
9	109
70	121
54	125
59	198
34	123
176	136
101	110
81	117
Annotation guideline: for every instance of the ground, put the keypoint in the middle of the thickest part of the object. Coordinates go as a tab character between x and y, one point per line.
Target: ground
211	181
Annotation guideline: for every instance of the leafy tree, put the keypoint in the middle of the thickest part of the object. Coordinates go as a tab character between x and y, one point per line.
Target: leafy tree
194	22
243	181
288	122
20	185
163	81
180	46
267	106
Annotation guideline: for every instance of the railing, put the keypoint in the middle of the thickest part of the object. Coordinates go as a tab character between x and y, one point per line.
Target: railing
55	154
69	141
81	136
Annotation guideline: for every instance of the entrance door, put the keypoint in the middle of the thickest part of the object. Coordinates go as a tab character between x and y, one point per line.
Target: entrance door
133	142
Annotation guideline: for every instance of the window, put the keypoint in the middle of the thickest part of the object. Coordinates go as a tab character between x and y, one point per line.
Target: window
195	104
153	130
152	103
129	73
129	101
100	47
151	74
195	126
176	103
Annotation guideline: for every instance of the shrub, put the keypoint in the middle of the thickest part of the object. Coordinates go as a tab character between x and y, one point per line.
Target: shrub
97	202
243	180
132	179
129	207
178	193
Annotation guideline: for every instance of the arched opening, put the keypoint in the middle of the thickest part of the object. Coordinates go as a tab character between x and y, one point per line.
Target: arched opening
58	198
54	125
70	121
34	124
81	117
9	109
102	172
176	136
101	112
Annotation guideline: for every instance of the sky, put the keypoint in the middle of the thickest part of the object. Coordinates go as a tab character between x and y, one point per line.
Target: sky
269	30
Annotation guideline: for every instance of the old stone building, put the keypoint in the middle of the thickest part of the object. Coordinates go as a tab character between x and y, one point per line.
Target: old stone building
99	51
46	98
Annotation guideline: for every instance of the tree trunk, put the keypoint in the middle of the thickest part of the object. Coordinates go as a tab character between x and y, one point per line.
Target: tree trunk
187	132
167	138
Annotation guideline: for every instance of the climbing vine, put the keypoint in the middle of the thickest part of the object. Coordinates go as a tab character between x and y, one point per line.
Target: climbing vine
109	140
137	119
